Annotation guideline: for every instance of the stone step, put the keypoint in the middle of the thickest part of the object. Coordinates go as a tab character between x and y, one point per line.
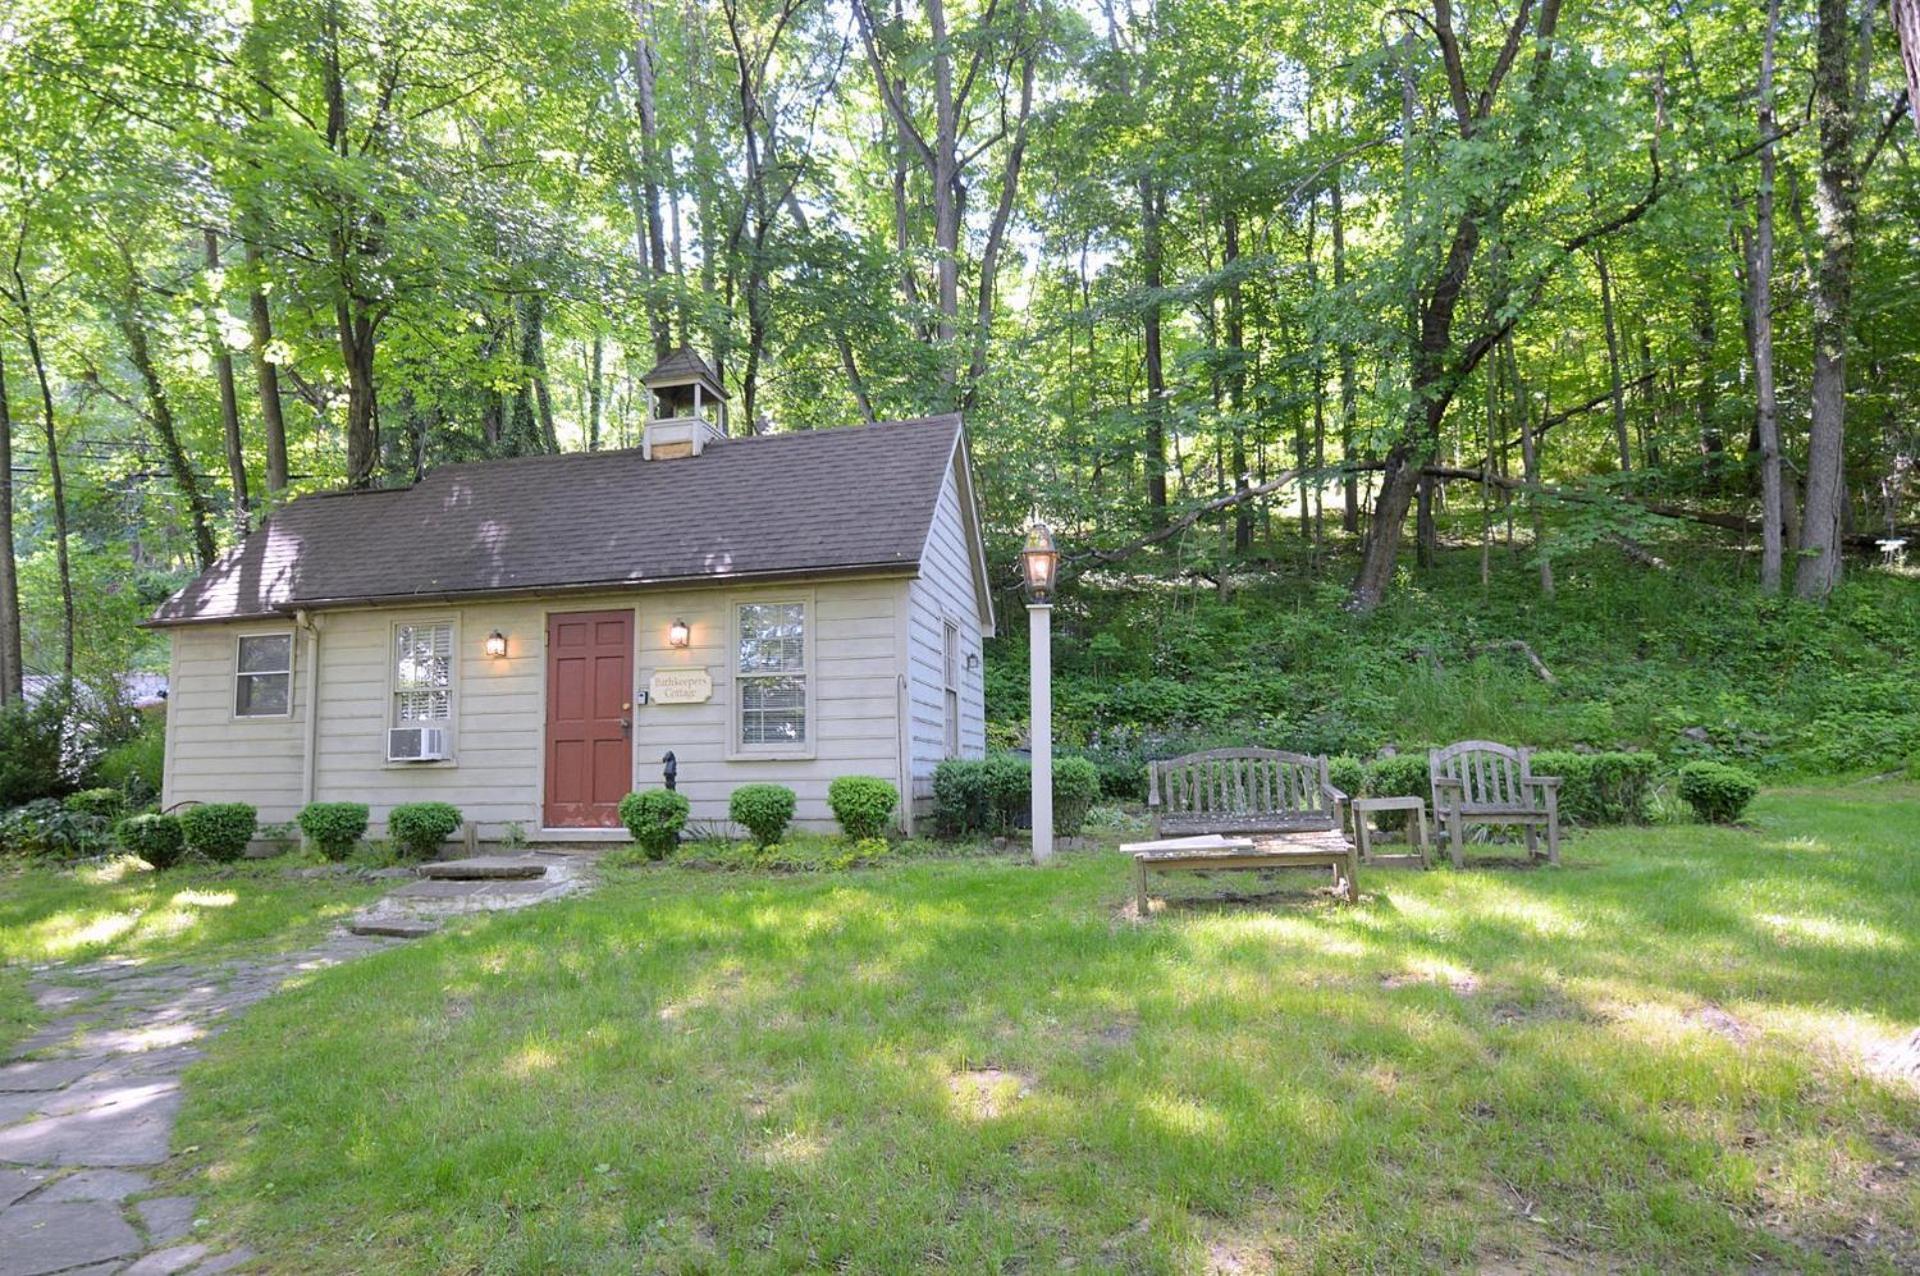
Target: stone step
484	868
392	927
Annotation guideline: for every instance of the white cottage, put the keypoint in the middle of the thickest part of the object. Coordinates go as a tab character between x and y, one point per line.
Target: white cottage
529	638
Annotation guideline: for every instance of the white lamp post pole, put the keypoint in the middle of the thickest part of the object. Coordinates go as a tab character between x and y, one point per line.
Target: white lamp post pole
1040	709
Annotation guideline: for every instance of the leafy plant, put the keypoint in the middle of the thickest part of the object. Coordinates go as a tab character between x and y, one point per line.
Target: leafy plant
862	804
32	755
1076	787
419	829
158	839
134	765
1009	790
764	810
1718	793
46	827
1601	788
959	796
219	830
101	804
333	827
654	818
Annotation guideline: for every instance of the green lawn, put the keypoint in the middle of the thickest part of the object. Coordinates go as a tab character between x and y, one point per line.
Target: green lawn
187	913
1650	1059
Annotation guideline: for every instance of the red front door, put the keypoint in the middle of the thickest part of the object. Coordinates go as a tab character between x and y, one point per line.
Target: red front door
589	717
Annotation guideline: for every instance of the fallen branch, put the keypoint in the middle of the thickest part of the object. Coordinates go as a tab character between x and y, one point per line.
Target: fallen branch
1187	520
1514	644
1637	552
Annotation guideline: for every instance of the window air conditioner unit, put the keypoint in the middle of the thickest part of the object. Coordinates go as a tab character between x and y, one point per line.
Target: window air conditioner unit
417	744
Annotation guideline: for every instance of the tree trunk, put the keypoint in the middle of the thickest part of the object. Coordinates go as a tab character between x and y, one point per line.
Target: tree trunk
1834	208
1906	21
229	399
160	416
266	373
997	229
1613	361
11	662
1151	252
1237	378
62	562
1705	391
1530	460
355	329
654	260
595	376
1349	392
1760	304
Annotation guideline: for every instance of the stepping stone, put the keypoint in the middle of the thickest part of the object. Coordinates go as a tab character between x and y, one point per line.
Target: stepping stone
483	868
224	1262
132	1134
36	1239
96	1185
517	890
168	1218
44	1074
15	1184
430	889
396	927
166	1262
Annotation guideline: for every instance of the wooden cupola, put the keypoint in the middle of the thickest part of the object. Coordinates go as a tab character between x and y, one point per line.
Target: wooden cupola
686	407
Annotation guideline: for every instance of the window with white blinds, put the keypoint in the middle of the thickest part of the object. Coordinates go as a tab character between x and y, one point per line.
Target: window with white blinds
770	669
422	673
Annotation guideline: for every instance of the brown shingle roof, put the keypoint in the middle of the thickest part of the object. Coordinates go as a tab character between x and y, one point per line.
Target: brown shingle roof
824	502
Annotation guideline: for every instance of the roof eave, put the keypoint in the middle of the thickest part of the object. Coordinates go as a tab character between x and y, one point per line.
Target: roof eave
444	597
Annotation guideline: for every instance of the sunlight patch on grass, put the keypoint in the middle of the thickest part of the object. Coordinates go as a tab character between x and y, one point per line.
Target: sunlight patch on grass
1828	932
530	1061
206	899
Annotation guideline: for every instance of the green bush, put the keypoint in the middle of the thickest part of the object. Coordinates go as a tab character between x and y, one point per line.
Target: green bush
157	839
1009	789
46	827
1348	774
333	827
1076	787
219	830
654	819
133	766
1601	788
862	804
1717	793
32	759
1401	775
960	797
107	805
764	810
420	828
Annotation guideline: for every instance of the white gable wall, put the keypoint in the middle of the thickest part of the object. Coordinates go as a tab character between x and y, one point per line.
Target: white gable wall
946	590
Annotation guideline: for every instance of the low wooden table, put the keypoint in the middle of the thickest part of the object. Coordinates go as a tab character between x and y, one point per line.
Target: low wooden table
1363	835
1213	854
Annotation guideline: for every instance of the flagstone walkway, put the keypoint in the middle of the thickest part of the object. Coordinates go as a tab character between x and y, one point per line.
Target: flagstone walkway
87	1105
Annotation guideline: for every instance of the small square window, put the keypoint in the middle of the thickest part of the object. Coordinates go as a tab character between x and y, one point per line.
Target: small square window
770	667
263	678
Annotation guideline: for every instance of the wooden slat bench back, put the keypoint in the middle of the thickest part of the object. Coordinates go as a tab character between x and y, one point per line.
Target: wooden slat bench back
1243	791
1481	782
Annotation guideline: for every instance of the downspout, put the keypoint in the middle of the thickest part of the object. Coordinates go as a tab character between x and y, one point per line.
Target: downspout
900	739
310	693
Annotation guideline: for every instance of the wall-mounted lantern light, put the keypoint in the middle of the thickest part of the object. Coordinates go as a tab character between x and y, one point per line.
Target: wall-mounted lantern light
678	635
1039	563
973	662
496	644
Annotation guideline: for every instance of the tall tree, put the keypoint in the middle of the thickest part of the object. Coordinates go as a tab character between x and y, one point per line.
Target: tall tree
11	665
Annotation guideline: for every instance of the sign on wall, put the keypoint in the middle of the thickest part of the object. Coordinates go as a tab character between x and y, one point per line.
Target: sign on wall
680	686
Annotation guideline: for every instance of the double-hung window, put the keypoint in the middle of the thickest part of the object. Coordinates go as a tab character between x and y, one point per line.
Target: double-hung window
422	674
263	676
950	676
770	672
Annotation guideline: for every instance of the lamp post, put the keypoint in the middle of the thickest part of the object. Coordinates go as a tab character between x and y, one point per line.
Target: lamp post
1039	566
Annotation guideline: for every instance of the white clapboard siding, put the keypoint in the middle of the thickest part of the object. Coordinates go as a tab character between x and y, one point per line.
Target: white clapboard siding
499	715
946	591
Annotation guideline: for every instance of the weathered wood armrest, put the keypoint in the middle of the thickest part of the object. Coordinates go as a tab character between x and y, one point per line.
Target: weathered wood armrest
1545	781
1444	782
1334	794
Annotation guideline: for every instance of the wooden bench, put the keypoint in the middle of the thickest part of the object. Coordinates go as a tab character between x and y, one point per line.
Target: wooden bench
1229	809
1479	782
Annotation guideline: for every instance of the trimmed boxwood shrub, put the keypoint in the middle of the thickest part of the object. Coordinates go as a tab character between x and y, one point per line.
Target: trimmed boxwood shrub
1717	793
333	827
1601	788
155	838
960	796
862	804
1076	787
654	819
1009	785
419	828
219	830
764	810
1347	774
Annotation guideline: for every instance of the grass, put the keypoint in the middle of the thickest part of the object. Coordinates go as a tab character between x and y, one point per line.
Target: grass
123	908
1650	1059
